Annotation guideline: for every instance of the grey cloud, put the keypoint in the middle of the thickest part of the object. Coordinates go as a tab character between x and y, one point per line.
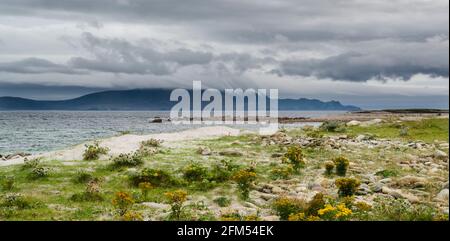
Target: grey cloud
36	66
121	56
365	39
401	60
256	21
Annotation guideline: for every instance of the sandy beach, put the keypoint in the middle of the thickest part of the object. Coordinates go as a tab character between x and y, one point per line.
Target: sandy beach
130	143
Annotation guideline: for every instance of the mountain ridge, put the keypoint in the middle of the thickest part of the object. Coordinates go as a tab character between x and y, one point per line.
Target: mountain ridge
145	99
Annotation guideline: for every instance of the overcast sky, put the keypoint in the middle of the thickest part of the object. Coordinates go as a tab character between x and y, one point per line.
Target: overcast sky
377	53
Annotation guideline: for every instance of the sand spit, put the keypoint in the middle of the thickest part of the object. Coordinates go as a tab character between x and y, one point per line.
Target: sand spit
130	143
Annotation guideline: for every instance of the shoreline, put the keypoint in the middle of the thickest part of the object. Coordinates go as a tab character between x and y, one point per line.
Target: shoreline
129	143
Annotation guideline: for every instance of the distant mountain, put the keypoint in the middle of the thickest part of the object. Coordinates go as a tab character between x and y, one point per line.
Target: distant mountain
144	99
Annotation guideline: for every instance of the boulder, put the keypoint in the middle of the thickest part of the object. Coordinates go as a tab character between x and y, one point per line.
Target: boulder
443	195
205	151
353	123
411	182
400	194
438	154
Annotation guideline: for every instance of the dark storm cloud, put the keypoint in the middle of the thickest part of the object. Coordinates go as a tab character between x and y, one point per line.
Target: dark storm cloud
336	30
36	66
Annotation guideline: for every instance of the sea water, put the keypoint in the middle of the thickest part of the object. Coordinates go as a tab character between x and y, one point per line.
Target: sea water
41	131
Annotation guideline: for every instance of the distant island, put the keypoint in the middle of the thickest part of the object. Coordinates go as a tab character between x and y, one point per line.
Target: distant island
147	99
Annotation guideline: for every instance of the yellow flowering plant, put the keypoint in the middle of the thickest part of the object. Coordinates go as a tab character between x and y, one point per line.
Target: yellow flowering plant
176	200
244	178
335	213
122	201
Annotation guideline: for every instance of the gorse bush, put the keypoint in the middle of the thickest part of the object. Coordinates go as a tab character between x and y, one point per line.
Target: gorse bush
317	203
176	200
245	178
347	186
332	126
151	143
335	213
285	206
156	177
145	187
341	164
294	156
281	172
122	201
329	167
93	152
194	172
127	160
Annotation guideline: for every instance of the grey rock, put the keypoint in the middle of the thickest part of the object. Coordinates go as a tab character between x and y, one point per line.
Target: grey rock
443	195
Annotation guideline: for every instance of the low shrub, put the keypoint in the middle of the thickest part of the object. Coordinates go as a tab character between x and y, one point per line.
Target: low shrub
91	194
194	172
294	156
151	143
281	172
145	187
122	201
332	126
31	163
245	178
317	203
347	186
339	212
16	200
127	160
341	164
223	171
156	177
39	172
83	176
93	152
329	167
390	209
176	200
285	206
222	201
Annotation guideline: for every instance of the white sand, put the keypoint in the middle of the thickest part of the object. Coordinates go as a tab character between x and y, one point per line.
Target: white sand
130	143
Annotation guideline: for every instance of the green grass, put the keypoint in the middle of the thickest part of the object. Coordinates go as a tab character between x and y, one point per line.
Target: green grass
427	130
